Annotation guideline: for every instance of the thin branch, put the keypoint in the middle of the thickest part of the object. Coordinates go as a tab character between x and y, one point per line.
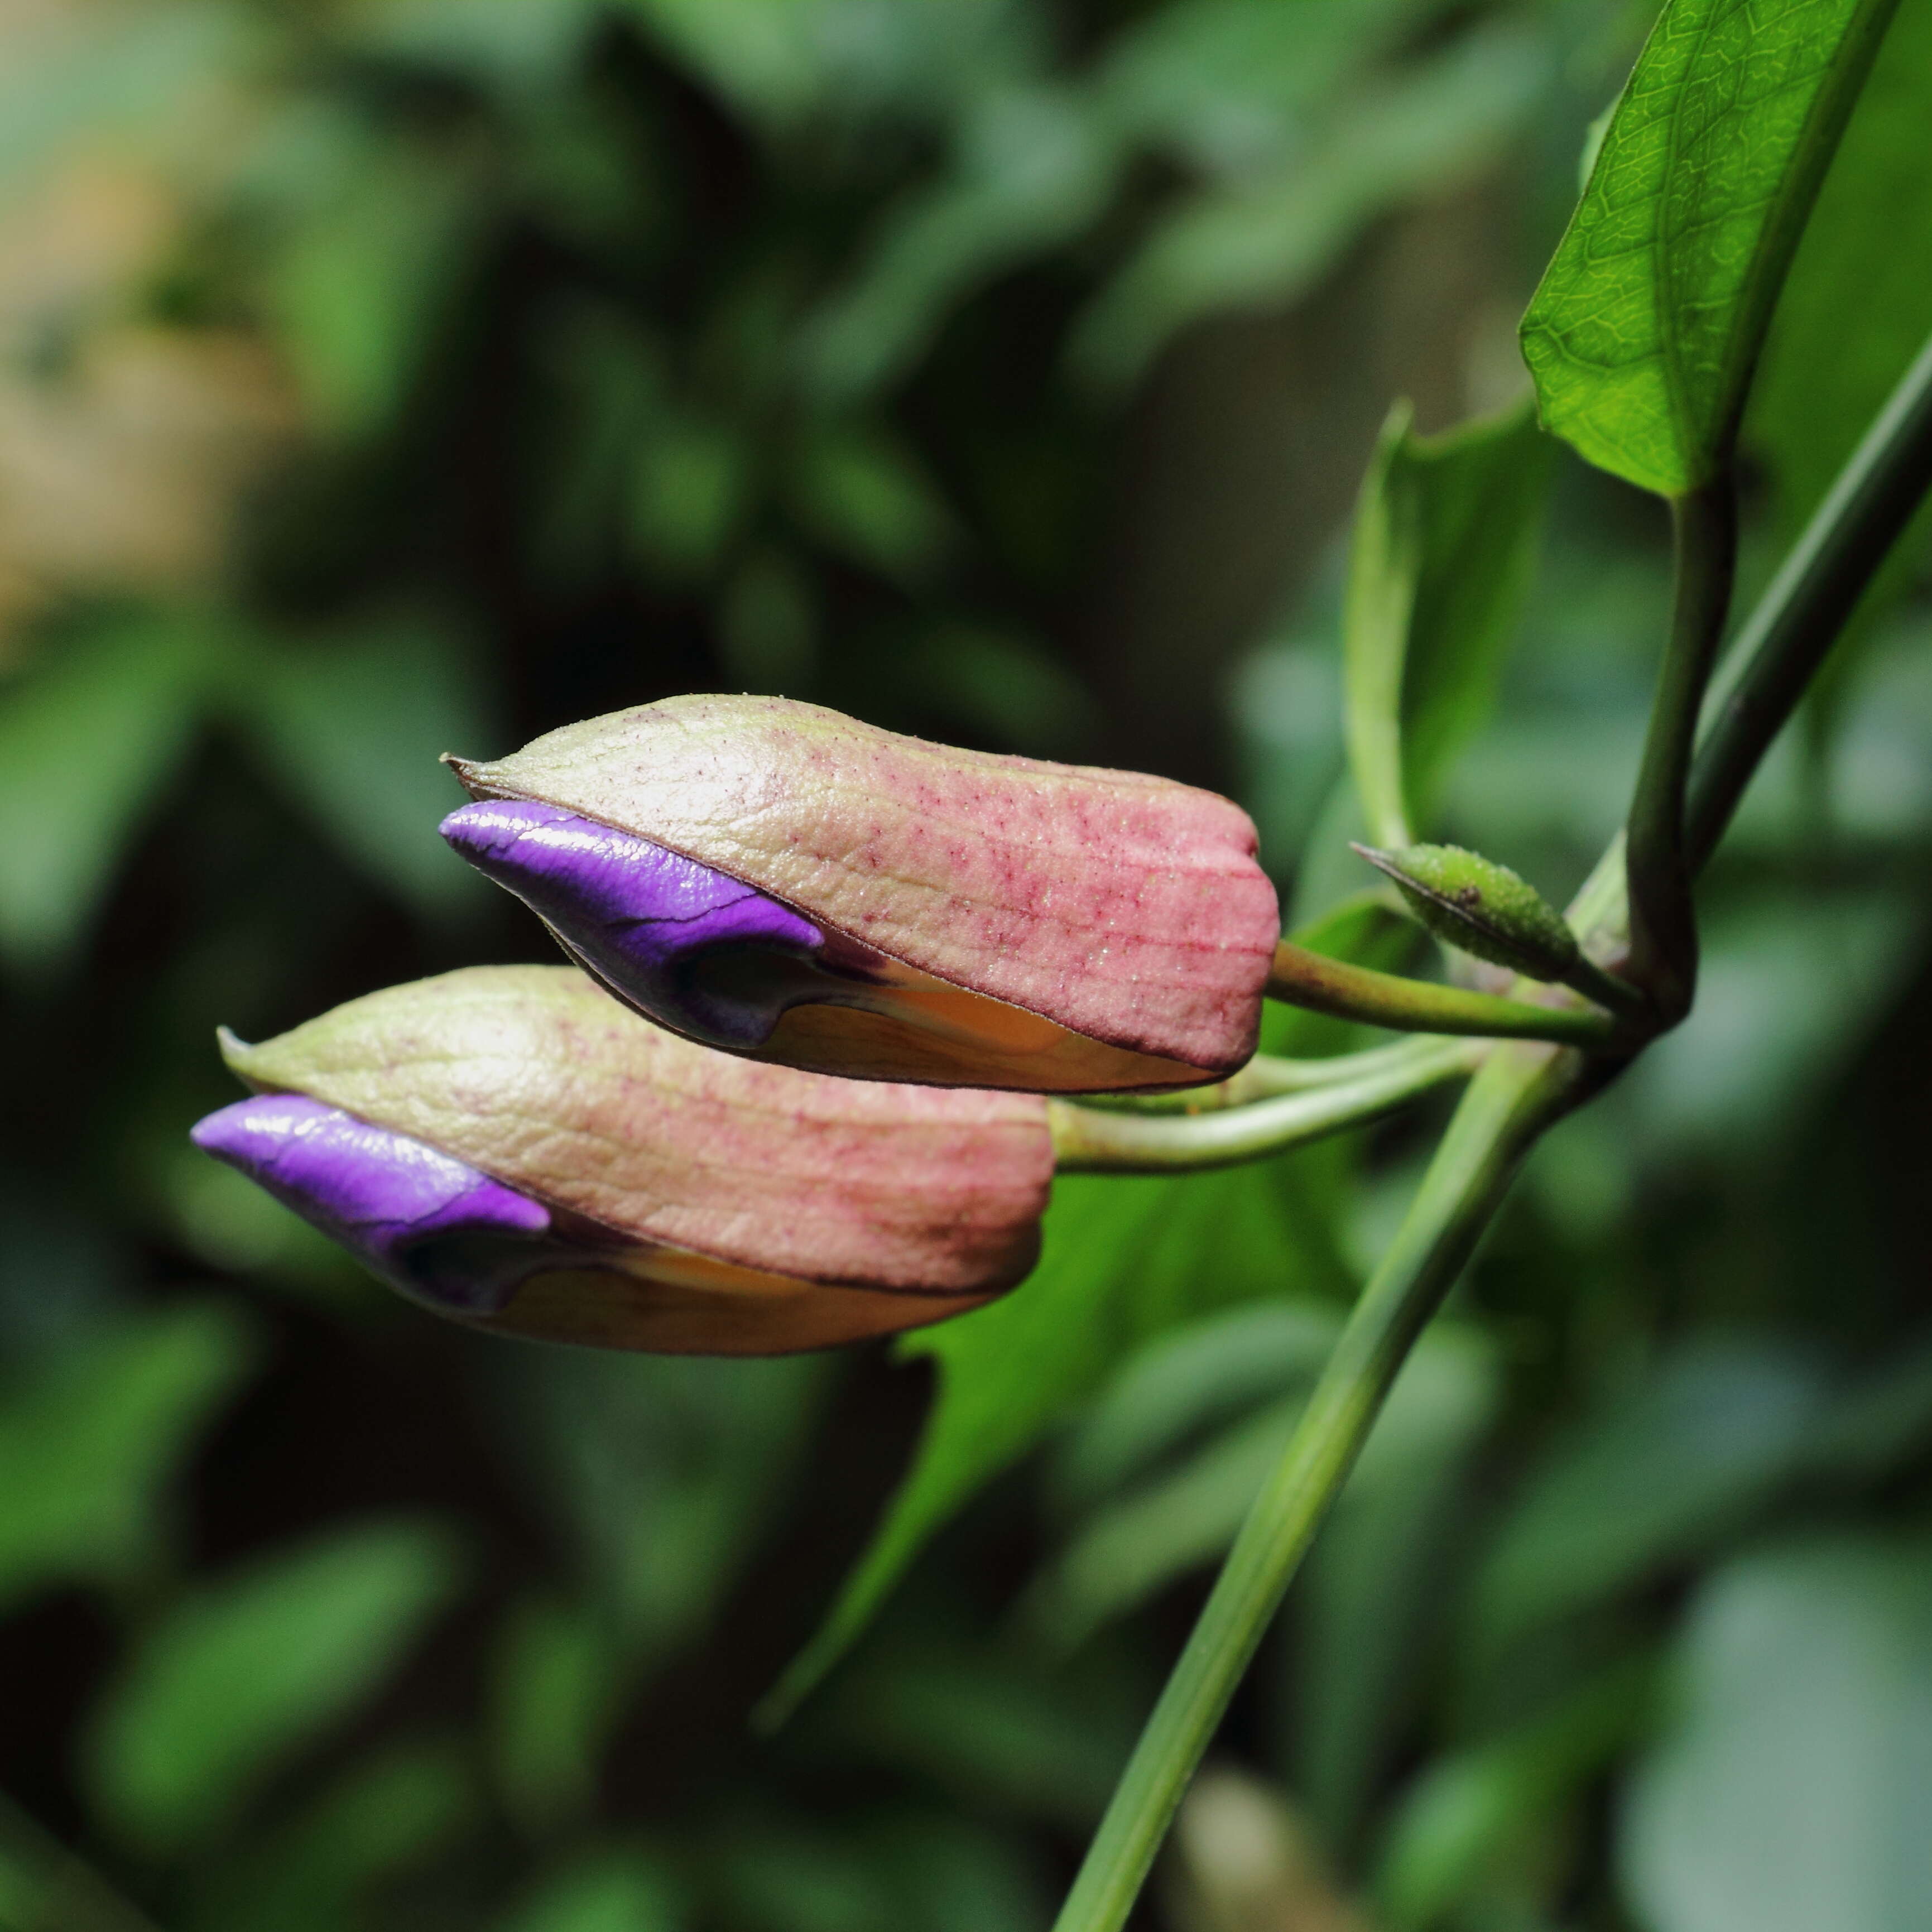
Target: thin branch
1663	926
1266	1075
1520	1092
1803	612
1325	985
1091	1140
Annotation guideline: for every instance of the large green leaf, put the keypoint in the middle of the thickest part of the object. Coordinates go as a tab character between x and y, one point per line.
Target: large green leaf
1444	541
1643	333
1126	1258
88	1447
1795	1791
247	1670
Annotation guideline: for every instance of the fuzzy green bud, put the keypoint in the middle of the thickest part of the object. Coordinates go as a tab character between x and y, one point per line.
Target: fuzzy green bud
1483	908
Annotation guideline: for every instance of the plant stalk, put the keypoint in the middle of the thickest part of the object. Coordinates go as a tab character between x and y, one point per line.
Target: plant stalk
1093	1140
1664	925
1520	1091
1803	613
1325	985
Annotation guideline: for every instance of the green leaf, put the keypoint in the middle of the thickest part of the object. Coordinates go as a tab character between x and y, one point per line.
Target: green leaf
1264	241
1031	166
1179	1474
1643	333
690	486
602	1891
247	1671
989	1724
388	1813
1126	1259
353	727
1795	1791
1686	1457
864	496
664	1471
1444	540
87	738
1469	1810
1187	1383
1181	1521
362	287
552	1708
88	1448
1373	1599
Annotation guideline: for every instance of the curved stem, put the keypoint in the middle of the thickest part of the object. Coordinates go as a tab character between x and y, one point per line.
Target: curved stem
1803	613
1587	977
1266	1075
1325	985
1520	1090
1663	927
1090	1140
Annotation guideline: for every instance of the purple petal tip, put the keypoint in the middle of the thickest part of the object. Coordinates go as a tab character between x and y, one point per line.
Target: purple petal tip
426	1222
639	916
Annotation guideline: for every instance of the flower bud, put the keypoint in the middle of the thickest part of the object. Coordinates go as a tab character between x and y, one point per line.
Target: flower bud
508	1147
1483	907
781	882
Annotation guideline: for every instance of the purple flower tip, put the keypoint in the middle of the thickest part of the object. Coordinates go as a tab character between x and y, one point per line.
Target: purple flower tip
654	927
426	1223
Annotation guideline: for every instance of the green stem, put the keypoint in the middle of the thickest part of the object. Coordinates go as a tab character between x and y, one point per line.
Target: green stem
1803	613
1092	1140
1507	1107
1520	1091
1587	977
1325	985
1268	1074
1663	926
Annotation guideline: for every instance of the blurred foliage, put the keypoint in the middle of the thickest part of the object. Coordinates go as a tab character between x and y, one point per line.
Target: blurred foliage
398	375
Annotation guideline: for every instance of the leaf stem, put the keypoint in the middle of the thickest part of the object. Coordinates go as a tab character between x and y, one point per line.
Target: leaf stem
1264	1077
1520	1091
1664	925
1325	985
1092	1140
1803	613
1587	977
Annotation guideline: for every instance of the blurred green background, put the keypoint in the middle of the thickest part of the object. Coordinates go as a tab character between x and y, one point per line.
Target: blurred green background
393	376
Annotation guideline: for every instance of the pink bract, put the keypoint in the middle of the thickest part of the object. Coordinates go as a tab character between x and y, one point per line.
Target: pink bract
532	1076
1127	910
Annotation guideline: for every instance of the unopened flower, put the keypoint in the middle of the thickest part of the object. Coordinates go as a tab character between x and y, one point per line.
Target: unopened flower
782	882
510	1147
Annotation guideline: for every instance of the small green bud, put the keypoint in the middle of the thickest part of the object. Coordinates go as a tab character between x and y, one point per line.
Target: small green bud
1483	907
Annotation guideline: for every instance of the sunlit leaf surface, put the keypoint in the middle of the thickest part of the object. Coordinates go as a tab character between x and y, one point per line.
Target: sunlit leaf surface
1643	331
